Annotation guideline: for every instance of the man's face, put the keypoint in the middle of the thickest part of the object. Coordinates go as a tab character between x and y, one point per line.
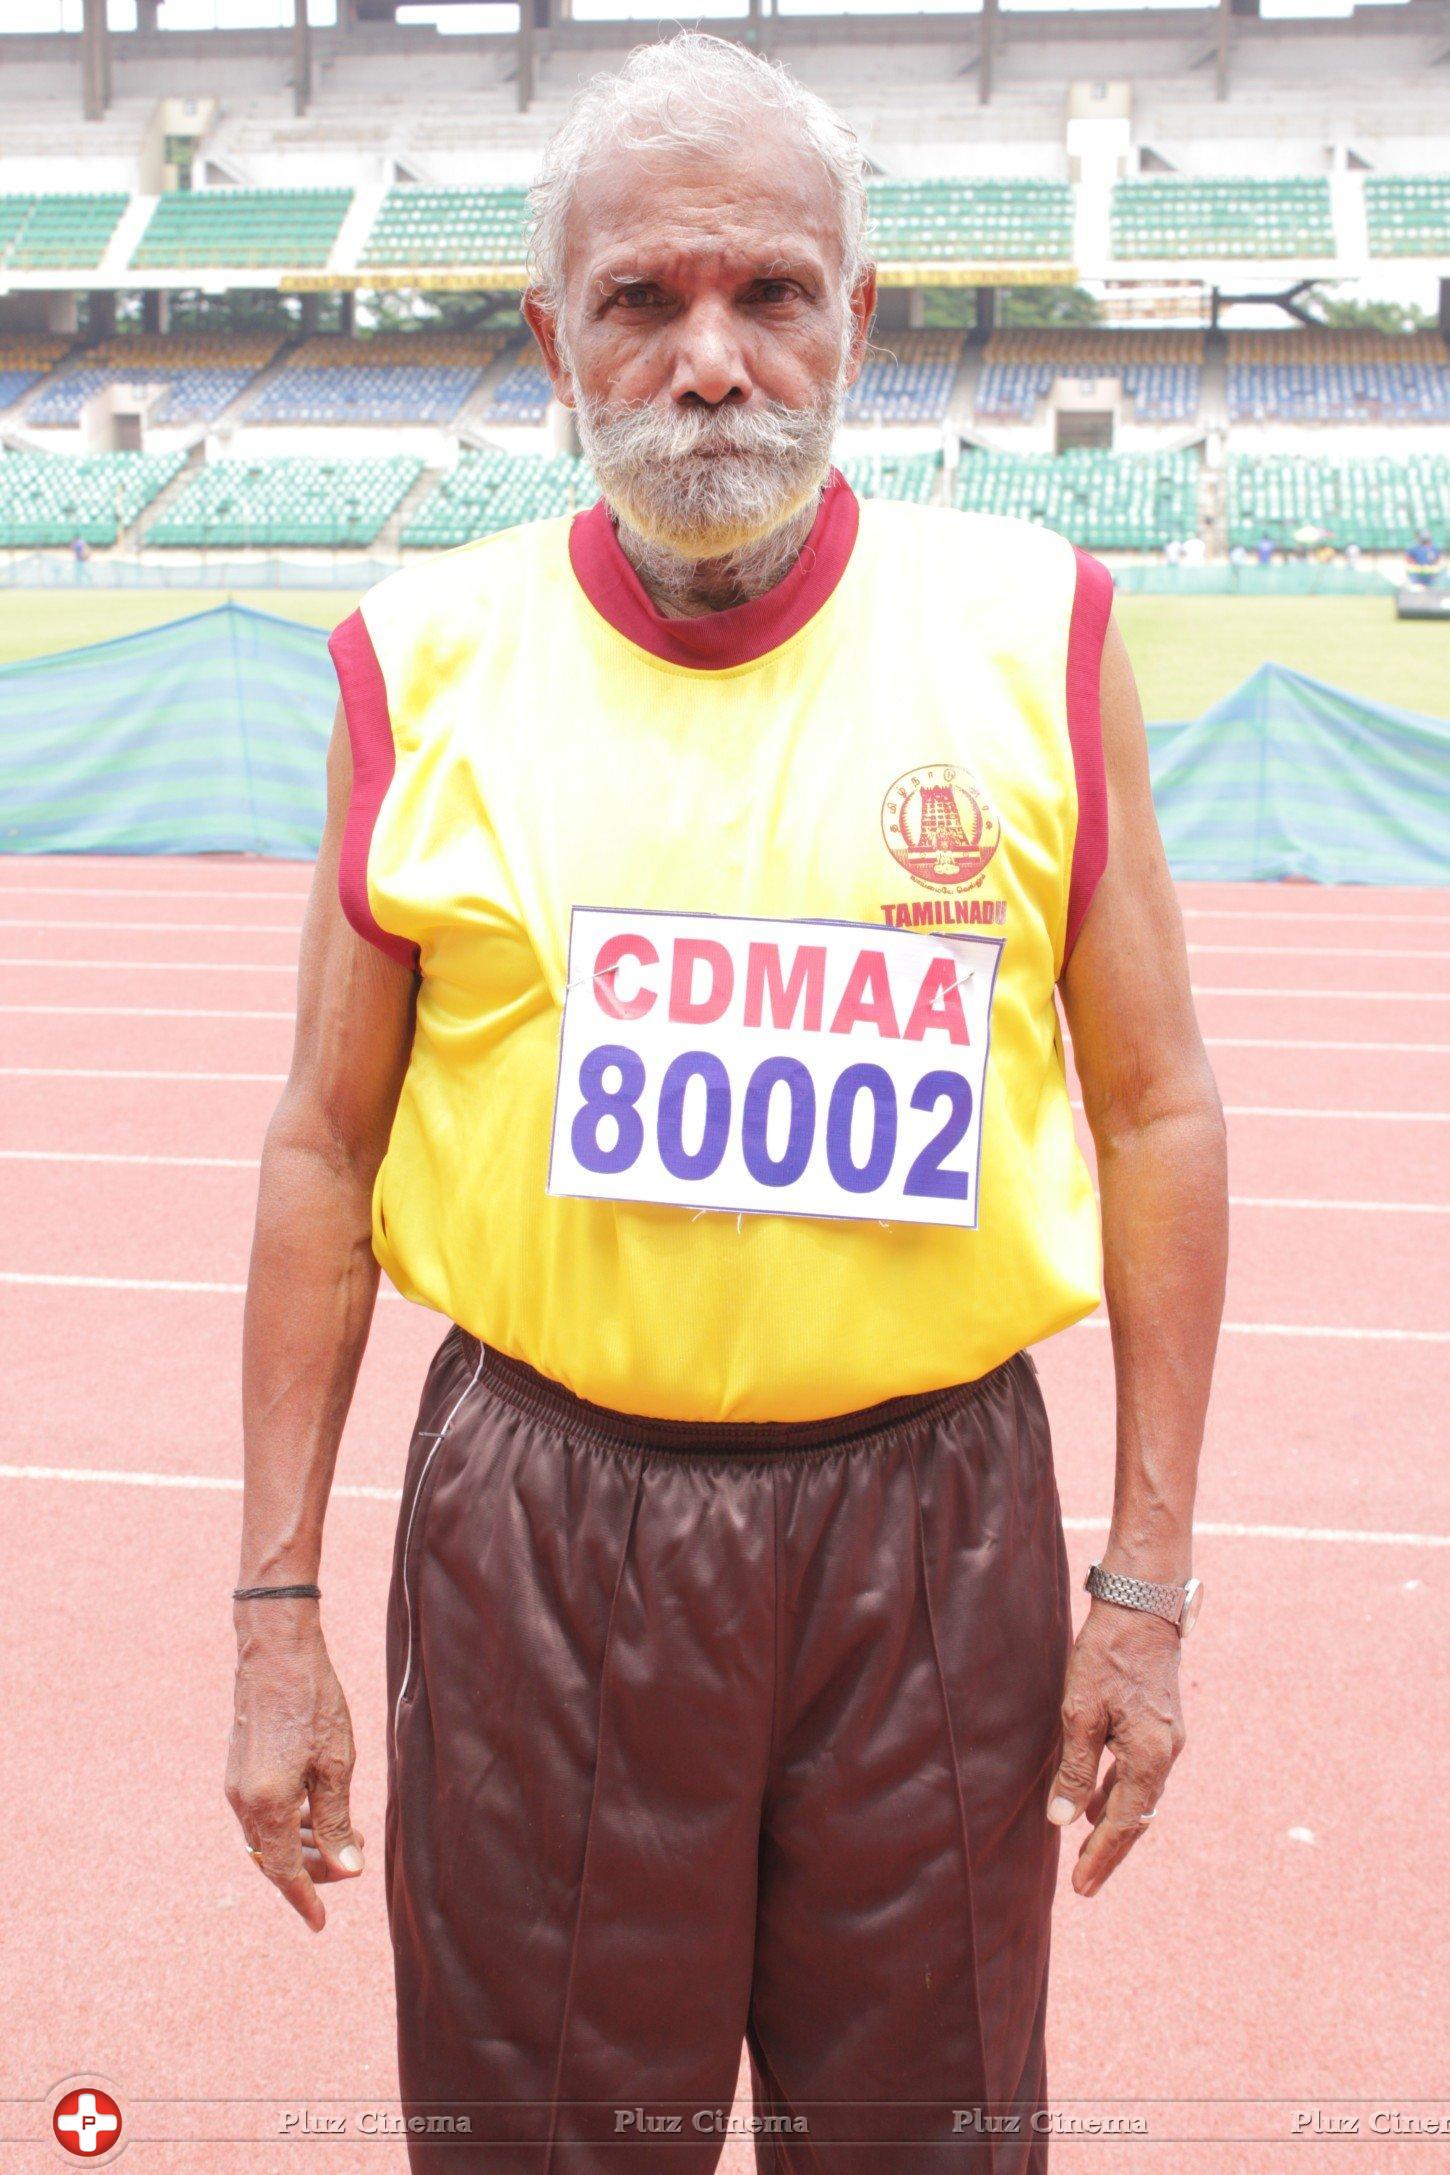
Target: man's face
704	338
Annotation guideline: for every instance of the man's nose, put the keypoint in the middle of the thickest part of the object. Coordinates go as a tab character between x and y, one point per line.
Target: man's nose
710	364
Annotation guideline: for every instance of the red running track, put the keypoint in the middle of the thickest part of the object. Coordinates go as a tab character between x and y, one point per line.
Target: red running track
1274	1955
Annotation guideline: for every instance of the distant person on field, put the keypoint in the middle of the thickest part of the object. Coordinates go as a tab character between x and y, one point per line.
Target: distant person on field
80	551
1423	559
1264	549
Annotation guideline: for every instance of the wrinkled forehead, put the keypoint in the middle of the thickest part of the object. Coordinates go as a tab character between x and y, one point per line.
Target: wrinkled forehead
765	198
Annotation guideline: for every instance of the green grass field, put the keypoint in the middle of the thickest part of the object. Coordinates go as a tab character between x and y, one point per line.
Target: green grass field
1188	651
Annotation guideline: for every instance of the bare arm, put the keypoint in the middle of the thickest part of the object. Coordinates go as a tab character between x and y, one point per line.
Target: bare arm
1157	1126
310	1295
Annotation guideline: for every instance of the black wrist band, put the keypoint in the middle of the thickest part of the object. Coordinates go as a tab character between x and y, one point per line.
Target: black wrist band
276	1593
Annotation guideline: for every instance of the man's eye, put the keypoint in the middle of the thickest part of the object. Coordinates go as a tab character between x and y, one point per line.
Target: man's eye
775	290
630	297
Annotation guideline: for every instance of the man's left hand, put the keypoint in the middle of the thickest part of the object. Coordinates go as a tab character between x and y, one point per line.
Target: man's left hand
1121	1693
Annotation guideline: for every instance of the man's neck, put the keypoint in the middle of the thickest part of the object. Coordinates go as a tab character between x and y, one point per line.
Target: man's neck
689	588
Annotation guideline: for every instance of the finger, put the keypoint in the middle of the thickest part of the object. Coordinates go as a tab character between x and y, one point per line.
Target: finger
330	1817
1120	1826
277	1834
1097	1803
320	1867
1083	1737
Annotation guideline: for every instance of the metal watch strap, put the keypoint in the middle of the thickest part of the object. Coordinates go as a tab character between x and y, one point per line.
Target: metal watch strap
1136	1593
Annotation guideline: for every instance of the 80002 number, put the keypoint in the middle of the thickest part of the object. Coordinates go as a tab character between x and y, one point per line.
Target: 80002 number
608	1130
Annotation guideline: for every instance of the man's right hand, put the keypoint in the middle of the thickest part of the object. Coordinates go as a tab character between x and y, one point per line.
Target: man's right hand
289	1764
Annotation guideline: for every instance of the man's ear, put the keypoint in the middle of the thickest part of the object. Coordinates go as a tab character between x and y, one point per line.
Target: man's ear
863	309
543	324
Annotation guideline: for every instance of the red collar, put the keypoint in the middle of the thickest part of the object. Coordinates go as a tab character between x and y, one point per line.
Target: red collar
743	632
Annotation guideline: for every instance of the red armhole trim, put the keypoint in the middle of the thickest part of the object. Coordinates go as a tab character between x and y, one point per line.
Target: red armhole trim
1092	603
370	734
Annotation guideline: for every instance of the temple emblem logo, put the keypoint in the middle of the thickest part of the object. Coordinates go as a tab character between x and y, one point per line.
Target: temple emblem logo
940	826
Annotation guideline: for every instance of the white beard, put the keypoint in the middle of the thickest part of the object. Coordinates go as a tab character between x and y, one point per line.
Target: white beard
691	485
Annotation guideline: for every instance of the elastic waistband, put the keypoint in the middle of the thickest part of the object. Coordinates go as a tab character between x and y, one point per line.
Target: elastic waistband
541	1398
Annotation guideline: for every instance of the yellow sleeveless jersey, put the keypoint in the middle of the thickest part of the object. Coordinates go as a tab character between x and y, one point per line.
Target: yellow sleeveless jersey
700	1119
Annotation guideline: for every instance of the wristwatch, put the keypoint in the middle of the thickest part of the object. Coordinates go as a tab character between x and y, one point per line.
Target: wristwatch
1177	1605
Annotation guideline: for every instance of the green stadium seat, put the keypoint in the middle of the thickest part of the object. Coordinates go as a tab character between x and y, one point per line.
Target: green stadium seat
1408	214
53	233
46	498
971	222
1379	504
239	227
1181	216
289	500
493	490
458	226
1105	501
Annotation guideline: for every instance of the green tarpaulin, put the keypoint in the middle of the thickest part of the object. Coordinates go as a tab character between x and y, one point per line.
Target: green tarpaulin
208	735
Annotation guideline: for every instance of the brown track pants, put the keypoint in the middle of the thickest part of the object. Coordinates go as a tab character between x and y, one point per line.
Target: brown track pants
702	1732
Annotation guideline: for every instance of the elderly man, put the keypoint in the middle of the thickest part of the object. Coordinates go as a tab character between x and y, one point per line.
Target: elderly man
677	1017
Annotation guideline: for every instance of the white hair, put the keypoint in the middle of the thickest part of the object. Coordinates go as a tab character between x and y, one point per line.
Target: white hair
692	91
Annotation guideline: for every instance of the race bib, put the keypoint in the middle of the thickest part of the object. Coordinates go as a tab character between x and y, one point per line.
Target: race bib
782	1068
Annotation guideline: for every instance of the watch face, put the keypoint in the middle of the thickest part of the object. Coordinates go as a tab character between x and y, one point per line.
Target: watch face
1192	1597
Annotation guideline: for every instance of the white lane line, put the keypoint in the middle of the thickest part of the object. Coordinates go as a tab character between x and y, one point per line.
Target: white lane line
1223	1529
1376	1208
1231	1110
1267	914
224	1483
114	1283
177	966
234	928
114	1072
1093	1321
90	1155
1341	995
146	891
293	928
289	966
362	1491
226	1012
251	1163
204	1012
1290	1042
1297	1329
1235	951
1291	1110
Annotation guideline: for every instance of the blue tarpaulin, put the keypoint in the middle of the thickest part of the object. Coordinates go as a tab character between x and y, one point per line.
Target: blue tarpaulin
1290	777
209	734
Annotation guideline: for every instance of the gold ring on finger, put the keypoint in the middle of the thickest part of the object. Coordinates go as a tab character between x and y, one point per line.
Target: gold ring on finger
1144	1818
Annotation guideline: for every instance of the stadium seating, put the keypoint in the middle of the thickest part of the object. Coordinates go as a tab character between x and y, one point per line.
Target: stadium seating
50	233
1160	372
909	378
1408	214
913	222
48	499
238	227
493	490
522	395
203	375
1337	377
421	226
390	378
1180	216
1123	501
911	476
1378	504
24	362
291	500
971	222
